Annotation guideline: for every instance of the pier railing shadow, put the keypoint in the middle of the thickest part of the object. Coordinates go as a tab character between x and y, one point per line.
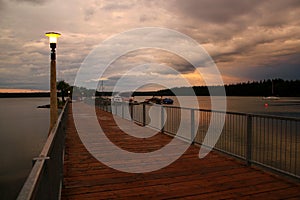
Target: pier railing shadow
271	142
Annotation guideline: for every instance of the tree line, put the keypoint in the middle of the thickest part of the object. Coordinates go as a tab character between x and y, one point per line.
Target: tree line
270	87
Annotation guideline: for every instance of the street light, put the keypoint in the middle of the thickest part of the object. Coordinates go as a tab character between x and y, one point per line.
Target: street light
53	95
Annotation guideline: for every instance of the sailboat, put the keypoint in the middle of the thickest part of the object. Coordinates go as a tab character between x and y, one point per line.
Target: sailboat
272	97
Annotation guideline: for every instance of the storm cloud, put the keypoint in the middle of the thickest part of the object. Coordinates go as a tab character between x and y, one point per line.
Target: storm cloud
248	40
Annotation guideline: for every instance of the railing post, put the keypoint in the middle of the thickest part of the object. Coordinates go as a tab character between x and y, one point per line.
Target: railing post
249	140
122	104
131	112
162	119
144	114
192	125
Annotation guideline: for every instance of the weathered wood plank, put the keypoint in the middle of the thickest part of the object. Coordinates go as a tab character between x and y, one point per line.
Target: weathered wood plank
214	177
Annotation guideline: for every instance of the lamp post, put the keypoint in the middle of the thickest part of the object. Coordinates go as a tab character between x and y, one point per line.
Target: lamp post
53	95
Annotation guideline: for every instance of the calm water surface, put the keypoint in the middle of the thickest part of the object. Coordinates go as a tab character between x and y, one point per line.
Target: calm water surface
24	129
286	106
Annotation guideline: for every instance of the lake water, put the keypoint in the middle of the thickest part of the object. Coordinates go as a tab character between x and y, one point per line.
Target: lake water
286	106
24	129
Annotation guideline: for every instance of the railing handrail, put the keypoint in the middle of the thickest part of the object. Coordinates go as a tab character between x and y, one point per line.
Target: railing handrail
234	113
32	180
253	137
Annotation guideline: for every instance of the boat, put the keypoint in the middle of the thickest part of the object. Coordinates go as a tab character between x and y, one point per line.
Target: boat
168	101
157	100
153	100
117	99
271	97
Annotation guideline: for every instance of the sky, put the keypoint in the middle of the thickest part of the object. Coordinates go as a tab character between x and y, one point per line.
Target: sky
247	40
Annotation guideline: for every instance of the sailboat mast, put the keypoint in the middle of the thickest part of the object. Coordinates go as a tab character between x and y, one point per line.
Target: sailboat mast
272	88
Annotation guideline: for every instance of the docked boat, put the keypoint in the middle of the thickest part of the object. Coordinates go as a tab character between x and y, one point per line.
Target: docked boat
167	101
157	100
117	99
271	98
153	100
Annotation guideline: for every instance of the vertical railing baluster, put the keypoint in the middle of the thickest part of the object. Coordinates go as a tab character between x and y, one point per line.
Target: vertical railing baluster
162	119
192	125
144	114
122	110
131	112
297	171
249	140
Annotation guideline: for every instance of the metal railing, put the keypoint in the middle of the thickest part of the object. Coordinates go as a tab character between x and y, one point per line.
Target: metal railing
269	141
45	178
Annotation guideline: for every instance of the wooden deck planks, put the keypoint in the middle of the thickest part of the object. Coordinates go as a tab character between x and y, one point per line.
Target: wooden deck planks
214	177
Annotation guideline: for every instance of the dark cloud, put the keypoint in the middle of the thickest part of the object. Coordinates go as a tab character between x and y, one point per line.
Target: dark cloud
32	1
2	4
286	71
248	39
114	78
278	13
285	67
89	13
144	18
153	56
240	13
221	20
217	11
18	81
118	5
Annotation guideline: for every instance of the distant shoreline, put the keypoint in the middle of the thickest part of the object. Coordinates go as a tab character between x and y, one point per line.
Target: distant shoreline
47	94
24	94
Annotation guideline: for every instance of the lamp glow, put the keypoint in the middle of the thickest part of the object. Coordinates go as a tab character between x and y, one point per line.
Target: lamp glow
53	37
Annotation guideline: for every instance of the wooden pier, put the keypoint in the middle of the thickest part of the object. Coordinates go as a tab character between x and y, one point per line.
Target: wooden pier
216	176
